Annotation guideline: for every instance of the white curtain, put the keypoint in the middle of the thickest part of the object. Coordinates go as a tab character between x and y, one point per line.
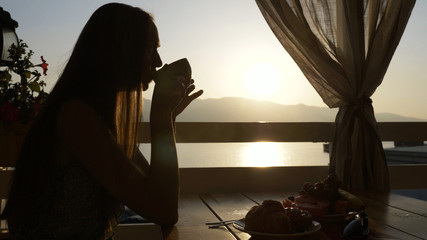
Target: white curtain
344	47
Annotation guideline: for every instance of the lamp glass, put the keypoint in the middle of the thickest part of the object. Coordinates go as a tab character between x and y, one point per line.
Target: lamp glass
9	38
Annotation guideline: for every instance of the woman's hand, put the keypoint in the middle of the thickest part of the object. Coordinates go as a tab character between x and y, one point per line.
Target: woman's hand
188	98
174	95
168	93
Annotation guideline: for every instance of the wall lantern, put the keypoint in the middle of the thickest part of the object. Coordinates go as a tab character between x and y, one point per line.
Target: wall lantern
7	36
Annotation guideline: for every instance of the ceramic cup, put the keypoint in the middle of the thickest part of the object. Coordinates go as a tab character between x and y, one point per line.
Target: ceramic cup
180	67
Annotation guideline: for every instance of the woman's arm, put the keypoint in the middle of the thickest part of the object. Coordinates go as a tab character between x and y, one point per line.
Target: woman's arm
163	170
170	97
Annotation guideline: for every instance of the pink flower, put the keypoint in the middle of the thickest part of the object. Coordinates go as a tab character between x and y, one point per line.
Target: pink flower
8	112
43	65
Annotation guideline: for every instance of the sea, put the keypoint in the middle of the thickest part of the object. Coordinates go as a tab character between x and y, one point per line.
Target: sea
254	154
261	154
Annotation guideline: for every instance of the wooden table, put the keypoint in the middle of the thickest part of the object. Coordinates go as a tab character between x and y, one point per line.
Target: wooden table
391	216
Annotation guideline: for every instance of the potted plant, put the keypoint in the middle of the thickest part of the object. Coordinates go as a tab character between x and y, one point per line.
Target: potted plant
21	95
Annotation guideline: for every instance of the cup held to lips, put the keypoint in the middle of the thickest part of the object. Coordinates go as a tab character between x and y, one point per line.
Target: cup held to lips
180	67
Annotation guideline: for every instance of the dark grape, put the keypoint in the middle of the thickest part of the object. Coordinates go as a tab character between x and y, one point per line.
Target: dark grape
319	185
306	186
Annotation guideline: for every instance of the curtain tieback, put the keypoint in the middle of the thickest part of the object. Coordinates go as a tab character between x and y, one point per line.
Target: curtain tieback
359	104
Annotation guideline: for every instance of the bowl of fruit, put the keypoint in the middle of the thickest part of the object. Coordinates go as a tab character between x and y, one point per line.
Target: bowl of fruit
326	201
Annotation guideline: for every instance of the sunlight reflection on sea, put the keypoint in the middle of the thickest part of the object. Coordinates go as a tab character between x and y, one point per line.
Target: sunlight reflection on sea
256	154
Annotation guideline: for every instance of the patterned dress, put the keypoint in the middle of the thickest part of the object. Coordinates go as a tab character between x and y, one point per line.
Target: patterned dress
70	204
76	209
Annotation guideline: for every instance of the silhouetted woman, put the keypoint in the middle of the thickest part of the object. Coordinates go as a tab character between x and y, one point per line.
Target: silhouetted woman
80	164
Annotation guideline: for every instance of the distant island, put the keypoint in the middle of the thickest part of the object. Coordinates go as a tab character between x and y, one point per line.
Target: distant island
234	109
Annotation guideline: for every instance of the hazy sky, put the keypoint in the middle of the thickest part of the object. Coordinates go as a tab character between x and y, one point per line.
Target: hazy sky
226	42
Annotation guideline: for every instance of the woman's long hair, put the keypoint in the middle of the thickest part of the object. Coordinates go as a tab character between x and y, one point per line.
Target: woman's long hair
108	57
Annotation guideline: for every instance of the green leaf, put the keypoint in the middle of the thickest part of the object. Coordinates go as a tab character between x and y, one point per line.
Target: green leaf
34	86
27	74
5	76
8	77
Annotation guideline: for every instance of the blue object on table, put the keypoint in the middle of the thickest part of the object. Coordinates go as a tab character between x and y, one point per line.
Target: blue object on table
129	216
359	226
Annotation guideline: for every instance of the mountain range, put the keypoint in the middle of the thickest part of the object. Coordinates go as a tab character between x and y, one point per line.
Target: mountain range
234	109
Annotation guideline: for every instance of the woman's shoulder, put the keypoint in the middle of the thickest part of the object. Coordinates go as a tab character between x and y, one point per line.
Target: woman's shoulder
78	110
77	114
76	106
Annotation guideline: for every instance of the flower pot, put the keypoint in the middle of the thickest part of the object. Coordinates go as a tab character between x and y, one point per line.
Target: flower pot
12	136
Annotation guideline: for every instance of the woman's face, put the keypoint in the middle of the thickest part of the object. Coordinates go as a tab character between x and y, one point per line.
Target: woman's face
151	58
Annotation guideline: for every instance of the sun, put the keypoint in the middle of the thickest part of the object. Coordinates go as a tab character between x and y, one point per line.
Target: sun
262	79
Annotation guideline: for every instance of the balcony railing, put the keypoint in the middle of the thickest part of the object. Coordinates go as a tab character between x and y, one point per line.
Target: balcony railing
205	132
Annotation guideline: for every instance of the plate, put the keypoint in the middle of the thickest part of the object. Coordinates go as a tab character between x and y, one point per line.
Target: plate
334	218
239	225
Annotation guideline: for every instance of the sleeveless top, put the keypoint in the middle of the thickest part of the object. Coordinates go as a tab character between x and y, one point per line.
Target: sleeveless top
72	205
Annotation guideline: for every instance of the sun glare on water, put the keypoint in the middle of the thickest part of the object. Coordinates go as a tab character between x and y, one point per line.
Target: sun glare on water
263	154
262	79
